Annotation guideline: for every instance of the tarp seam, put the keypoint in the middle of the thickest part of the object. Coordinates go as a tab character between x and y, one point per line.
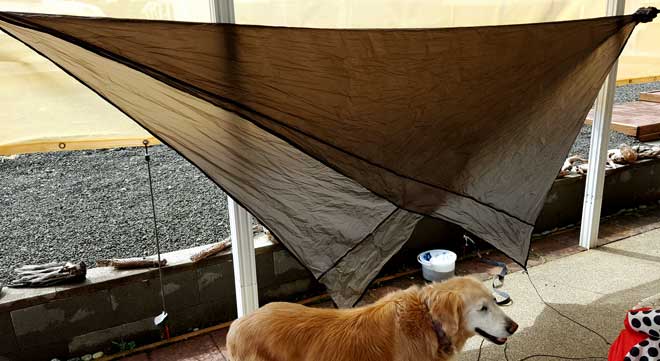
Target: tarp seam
359	243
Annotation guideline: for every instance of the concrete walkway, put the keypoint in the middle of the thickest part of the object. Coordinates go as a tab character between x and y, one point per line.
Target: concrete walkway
595	288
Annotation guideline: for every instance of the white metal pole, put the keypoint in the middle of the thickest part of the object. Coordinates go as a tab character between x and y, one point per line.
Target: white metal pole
245	266
242	241
600	136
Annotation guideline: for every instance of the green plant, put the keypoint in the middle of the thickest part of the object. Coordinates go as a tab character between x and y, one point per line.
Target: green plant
123	345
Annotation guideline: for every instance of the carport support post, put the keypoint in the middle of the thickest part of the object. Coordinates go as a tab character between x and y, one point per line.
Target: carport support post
242	240
245	266
600	136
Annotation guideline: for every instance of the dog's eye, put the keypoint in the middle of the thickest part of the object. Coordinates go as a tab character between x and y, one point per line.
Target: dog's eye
484	308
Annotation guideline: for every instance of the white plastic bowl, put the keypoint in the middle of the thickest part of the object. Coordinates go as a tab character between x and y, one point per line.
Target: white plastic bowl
437	264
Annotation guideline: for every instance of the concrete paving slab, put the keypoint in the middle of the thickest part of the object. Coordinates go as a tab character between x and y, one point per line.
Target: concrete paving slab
645	246
601	271
595	288
531	314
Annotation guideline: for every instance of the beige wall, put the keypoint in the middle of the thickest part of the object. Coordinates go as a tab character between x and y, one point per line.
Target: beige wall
44	107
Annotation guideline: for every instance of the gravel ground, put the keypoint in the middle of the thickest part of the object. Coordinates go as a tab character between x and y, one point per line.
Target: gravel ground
581	145
629	93
89	205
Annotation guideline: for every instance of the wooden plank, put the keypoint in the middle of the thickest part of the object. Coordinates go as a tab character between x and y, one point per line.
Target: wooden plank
647	79
652	96
637	119
627	129
56	146
649	137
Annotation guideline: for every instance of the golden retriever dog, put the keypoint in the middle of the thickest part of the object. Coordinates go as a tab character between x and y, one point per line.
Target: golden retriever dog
430	323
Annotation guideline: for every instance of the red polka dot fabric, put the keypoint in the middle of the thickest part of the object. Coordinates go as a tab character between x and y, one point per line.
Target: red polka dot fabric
640	340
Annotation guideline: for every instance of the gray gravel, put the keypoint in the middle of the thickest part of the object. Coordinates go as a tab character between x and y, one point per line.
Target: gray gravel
88	205
629	93
581	145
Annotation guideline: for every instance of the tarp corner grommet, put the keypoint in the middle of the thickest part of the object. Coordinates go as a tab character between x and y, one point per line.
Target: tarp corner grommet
61	145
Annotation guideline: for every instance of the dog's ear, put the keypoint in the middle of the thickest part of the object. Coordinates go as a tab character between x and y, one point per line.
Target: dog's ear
447	307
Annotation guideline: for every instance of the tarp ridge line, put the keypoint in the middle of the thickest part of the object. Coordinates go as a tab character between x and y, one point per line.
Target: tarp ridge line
181	85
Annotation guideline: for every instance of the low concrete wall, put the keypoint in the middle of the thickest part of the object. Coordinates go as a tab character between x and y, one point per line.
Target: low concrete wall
38	324
626	187
67	321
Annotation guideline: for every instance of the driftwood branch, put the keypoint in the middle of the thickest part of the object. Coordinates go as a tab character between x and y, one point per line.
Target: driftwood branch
572	165
48	274
616	158
130	263
212	250
226	243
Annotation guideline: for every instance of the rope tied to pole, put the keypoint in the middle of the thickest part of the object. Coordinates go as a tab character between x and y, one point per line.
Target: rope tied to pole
163	316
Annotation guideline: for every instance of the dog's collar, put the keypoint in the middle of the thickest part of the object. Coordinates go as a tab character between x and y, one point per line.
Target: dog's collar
439	332
444	341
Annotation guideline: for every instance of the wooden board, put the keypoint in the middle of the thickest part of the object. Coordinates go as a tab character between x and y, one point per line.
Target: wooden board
652	96
56	146
641	80
637	119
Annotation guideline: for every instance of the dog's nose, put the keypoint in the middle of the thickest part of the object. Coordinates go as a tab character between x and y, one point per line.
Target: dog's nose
511	327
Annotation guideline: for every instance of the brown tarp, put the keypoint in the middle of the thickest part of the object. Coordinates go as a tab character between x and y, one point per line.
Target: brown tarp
340	141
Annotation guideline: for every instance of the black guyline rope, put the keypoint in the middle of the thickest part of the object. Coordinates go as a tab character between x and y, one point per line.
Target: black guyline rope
147	158
563	315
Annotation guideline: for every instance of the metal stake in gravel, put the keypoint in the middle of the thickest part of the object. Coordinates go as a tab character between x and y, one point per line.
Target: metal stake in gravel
163	315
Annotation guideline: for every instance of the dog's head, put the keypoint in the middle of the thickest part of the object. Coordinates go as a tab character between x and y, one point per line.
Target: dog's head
464	307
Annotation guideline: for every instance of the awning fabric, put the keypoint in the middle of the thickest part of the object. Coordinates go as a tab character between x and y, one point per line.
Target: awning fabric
340	141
